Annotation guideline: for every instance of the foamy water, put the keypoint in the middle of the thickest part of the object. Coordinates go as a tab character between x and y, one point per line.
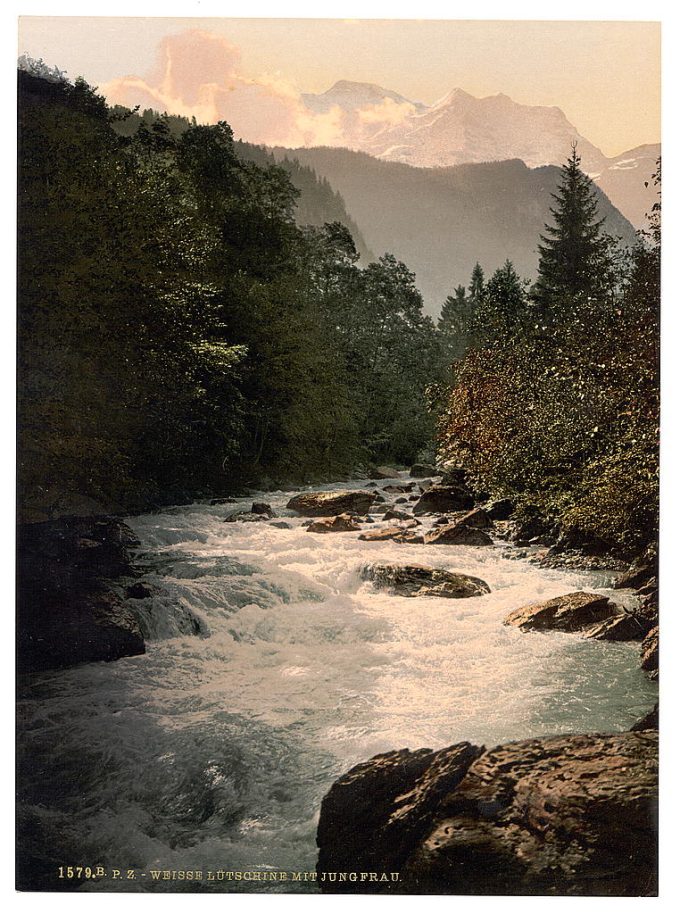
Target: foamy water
270	670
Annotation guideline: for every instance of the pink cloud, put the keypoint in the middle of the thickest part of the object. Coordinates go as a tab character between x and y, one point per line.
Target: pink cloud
199	74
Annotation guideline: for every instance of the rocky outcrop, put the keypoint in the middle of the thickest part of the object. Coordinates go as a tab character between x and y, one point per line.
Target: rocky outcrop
423	581
641	571
649	653
68	612
567	815
458	534
399	488
572	612
442	499
650	721
329	504
342	523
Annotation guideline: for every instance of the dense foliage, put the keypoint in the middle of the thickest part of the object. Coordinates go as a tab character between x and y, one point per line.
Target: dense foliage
179	333
556	403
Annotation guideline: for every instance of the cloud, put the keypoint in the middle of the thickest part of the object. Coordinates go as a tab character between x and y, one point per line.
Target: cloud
200	74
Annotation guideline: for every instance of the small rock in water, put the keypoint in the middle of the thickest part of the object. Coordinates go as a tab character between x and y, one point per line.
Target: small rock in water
458	534
281	524
342	523
261	507
245	517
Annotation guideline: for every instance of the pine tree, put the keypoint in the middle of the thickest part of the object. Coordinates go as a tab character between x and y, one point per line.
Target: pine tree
574	263
454	312
476	287
503	310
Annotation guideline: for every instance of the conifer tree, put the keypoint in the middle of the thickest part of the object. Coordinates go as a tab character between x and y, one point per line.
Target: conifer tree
574	263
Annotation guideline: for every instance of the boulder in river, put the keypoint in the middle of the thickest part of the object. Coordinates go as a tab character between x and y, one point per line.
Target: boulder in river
572	612
458	534
383	473
342	523
564	815
398	488
423	581
330	504
477	518
261	507
440	499
244	517
398	514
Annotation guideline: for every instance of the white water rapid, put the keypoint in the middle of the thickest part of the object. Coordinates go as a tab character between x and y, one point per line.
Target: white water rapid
270	670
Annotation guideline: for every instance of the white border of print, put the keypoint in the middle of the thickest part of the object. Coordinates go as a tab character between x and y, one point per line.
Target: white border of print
670	580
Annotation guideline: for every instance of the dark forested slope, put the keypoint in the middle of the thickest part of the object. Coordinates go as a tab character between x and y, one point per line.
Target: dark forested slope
441	221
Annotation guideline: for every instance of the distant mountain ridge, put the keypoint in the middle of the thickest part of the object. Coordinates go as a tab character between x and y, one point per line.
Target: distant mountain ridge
460	128
441	221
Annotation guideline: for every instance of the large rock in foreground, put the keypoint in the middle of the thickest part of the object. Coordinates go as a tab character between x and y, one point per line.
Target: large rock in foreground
329	504
568	815
571	612
422	581
442	499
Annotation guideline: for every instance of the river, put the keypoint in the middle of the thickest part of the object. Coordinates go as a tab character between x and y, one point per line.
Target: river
270	670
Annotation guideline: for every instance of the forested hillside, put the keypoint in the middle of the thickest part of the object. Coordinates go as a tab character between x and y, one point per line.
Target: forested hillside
179	333
317	202
441	221
556	403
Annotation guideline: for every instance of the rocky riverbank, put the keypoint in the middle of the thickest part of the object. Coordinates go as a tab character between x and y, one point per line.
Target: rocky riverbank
71	605
568	815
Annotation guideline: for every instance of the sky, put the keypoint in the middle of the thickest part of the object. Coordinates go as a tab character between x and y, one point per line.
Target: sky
605	76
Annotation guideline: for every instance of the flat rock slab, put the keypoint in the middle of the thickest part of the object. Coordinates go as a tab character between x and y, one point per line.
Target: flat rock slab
572	612
458	534
442	499
330	504
423	581
343	523
567	815
622	627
